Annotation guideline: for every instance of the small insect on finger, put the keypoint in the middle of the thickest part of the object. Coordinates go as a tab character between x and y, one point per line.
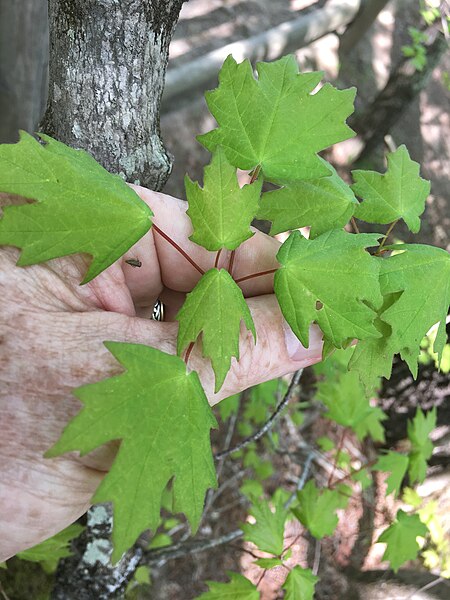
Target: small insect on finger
134	262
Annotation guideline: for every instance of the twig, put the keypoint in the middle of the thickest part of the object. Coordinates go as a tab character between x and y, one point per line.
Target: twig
162	555
316	564
3	593
302	480
269	423
426	587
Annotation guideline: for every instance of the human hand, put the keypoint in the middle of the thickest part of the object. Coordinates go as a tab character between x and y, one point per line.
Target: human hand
51	341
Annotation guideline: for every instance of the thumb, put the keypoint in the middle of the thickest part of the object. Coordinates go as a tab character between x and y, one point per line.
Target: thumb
277	351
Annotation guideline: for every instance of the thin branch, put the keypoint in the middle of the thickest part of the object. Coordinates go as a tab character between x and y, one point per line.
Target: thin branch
3	593
426	587
302	480
269	423
178	248
162	555
253	275
316	564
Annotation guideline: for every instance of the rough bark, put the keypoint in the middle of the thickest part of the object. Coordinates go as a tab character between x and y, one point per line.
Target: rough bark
107	64
23	66
404	84
368	12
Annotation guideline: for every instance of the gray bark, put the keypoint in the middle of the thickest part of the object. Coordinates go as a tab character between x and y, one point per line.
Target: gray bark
369	11
23	66
107	64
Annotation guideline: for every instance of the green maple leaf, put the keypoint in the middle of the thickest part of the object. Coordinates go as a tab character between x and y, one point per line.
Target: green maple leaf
335	271
239	588
73	195
422	275
163	418
275	122
221	212
215	308
396	464
324	204
347	403
300	584
400	538
421	446
398	194
268	531
317	509
52	550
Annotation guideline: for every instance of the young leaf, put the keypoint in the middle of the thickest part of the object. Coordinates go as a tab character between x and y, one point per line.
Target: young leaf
215	308
162	416
300	584
221	212
347	404
421	446
422	274
275	122
398	194
268	531
396	464
316	509
400	538
51	550
335	271
239	588
73	195
324	204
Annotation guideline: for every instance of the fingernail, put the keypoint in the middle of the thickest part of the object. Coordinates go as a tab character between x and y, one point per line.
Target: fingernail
295	349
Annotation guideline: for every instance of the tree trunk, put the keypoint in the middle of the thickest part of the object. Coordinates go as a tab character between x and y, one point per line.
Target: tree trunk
23	66
107	64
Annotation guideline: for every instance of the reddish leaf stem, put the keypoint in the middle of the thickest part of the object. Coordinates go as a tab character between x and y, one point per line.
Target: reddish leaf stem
383	241
188	352
355	226
253	275
178	248
216	262
230	266
255	174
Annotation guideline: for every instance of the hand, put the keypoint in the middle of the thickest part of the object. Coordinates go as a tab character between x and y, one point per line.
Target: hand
51	341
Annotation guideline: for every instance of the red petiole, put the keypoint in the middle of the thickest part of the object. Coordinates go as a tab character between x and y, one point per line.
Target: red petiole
177	247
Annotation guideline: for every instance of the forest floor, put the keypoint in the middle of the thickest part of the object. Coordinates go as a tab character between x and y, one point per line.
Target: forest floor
424	127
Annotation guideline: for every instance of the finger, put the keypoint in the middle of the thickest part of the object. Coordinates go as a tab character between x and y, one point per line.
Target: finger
256	255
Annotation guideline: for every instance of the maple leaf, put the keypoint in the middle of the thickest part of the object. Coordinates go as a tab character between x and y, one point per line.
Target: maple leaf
221	212
239	588
422	274
348	405
316	509
300	584
73	194
396	464
275	122
268	531
162	416
324	204
400	538
398	194
214	308
335	271
421	446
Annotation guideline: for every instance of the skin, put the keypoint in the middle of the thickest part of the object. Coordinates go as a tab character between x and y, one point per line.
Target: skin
51	341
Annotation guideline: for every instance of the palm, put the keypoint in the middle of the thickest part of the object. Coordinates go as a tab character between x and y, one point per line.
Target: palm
52	333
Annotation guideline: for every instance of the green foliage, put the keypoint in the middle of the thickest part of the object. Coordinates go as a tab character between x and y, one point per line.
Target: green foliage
275	122
229	406
396	464
268	531
221	212
215	308
163	419
343	312
398	194
400	538
324	204
73	193
50	551
416	50
239	588
300	584
421	446
317	509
